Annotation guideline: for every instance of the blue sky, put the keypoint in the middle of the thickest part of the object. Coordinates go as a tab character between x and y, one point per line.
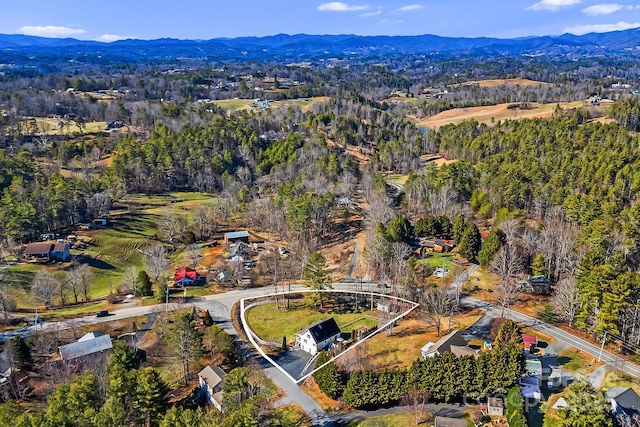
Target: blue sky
205	19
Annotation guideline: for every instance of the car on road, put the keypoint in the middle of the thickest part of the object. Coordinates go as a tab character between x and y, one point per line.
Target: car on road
102	313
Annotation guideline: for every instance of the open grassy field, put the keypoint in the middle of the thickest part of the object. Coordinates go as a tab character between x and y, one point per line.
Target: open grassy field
493	113
181	203
502	82
403	346
53	127
109	251
234	104
271	324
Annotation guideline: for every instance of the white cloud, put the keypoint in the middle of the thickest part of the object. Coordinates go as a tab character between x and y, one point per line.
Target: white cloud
553	5
336	6
603	9
373	13
607	9
390	22
108	38
601	28
410	7
50	31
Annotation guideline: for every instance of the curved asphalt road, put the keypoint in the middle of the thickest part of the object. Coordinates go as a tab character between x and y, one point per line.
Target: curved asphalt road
557	333
219	305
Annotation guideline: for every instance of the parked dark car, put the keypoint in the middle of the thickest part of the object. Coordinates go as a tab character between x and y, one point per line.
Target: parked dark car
102	313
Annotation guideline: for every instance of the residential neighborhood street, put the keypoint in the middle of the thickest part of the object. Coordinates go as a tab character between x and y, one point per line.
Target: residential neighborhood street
219	305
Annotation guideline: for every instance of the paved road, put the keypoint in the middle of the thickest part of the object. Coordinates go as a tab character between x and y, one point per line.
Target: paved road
557	333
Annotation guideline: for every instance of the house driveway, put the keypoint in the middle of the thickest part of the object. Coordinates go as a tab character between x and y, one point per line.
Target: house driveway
294	361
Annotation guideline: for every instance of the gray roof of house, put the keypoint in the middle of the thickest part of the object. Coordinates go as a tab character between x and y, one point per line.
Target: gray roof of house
626	398
212	375
444	344
237	234
86	347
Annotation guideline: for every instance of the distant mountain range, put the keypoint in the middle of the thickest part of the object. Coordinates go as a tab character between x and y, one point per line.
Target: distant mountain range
312	47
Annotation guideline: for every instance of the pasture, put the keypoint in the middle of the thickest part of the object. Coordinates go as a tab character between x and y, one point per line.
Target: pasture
494	113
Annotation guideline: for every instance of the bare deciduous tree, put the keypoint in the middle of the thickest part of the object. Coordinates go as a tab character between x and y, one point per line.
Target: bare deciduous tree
435	305
400	251
156	261
44	288
507	264
567	299
130	280
192	253
99	205
172	227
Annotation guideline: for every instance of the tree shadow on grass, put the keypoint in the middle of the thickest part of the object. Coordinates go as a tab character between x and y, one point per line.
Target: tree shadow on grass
98	263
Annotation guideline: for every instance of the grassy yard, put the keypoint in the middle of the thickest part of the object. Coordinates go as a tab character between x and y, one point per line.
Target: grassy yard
393	420
271	324
576	362
404	346
620	379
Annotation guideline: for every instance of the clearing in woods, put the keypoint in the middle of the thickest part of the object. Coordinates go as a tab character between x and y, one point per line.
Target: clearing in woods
493	113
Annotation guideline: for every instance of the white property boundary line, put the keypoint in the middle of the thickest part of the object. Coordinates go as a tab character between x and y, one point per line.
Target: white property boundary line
249	332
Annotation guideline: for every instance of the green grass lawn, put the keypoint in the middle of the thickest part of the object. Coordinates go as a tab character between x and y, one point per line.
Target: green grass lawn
397	179
271	324
574	361
233	104
393	420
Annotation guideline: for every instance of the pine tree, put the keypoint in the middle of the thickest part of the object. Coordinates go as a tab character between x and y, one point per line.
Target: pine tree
318	275
470	242
21	353
490	247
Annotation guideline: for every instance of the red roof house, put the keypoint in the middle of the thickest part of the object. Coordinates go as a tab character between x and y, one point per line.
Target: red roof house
529	341
185	276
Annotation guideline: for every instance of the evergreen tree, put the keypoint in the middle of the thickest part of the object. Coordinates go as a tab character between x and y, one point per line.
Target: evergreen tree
398	229
317	273
585	407
328	378
207	320
150	396
538	266
490	247
144	284
21	353
457	228
470	242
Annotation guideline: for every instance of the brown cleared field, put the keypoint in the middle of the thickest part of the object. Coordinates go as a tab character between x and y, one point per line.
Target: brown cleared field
493	113
503	82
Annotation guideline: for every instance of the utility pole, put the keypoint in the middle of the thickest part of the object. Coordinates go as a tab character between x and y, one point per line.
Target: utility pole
166	301
604	339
